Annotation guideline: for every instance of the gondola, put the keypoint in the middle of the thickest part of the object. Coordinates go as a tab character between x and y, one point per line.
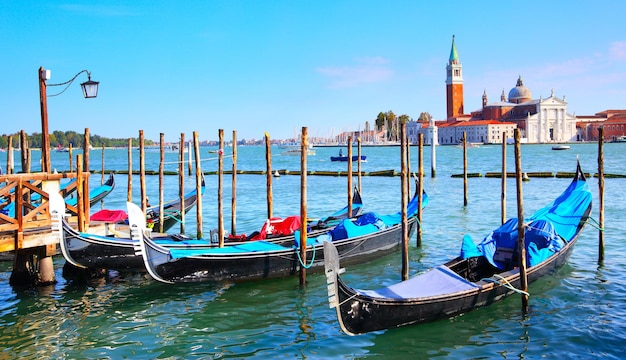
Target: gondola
481	275
97	194
172	210
367	237
86	250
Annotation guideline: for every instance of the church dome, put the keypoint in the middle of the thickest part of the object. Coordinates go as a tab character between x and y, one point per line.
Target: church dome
520	93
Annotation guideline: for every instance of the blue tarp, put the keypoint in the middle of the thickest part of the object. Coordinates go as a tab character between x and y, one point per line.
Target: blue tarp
547	230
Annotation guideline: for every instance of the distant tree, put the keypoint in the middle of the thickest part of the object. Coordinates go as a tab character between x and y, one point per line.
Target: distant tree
424	117
380	121
392	126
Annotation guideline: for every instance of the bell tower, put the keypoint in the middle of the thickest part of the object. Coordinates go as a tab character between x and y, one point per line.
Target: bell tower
454	83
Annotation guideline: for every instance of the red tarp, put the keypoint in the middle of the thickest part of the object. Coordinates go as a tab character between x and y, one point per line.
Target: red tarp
111	216
278	226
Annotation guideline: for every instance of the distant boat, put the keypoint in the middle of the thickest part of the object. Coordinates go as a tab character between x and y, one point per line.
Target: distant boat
560	147
61	149
297	151
345	158
469	145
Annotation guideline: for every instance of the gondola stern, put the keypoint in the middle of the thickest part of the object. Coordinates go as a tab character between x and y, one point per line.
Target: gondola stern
332	271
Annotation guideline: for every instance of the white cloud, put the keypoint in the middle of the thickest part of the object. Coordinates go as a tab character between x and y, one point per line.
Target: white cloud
367	70
617	50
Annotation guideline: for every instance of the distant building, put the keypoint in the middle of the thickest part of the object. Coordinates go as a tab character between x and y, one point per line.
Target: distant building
613	121
539	120
476	131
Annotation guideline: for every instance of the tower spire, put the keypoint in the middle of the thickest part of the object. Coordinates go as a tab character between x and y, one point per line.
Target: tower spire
454	55
454	83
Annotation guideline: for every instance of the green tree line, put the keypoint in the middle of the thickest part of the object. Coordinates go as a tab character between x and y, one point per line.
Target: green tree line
390	122
64	139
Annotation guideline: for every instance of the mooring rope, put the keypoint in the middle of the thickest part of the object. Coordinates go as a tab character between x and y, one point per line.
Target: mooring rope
594	223
302	262
504	282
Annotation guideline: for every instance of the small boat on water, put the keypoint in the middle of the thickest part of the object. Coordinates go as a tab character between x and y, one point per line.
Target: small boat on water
359	239
342	157
297	151
482	274
560	147
345	158
61	149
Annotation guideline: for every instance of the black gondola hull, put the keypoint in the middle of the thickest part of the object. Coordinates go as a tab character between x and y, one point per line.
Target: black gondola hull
272	264
359	314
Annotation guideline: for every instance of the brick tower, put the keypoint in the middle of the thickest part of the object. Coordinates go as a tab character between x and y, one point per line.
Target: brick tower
454	84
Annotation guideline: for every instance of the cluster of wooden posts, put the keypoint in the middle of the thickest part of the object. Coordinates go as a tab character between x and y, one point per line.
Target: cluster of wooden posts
31	216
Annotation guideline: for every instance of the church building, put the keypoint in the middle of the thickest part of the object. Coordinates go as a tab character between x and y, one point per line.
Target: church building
539	120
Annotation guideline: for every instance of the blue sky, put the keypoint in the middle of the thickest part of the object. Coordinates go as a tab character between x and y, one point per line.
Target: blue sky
275	66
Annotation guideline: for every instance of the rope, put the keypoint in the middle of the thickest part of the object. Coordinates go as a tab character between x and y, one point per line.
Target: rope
504	282
594	223
300	258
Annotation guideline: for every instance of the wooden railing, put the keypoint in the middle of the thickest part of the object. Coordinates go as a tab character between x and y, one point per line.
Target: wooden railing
24	199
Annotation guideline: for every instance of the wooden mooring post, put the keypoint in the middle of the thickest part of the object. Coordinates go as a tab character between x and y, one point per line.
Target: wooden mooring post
465	201
268	175
404	201
233	200
196	147
349	175
161	183
25	154
359	163
181	180
129	194
142	174
303	203
520	223
420	188
601	193
86	167
503	181
220	190
10	161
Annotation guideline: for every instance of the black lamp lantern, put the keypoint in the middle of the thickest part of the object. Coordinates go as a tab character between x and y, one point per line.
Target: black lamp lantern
90	88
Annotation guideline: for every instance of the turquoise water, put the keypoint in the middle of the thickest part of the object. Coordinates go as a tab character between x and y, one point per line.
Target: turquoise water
578	313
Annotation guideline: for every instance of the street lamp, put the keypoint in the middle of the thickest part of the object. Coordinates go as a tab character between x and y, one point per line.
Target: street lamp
90	90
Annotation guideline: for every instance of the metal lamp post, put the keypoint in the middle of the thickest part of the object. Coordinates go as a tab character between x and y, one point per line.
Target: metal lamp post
90	90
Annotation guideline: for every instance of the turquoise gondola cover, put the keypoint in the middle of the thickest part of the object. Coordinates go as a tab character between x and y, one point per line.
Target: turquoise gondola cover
547	230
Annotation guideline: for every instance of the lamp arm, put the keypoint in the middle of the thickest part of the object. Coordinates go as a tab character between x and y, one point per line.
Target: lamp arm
69	82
